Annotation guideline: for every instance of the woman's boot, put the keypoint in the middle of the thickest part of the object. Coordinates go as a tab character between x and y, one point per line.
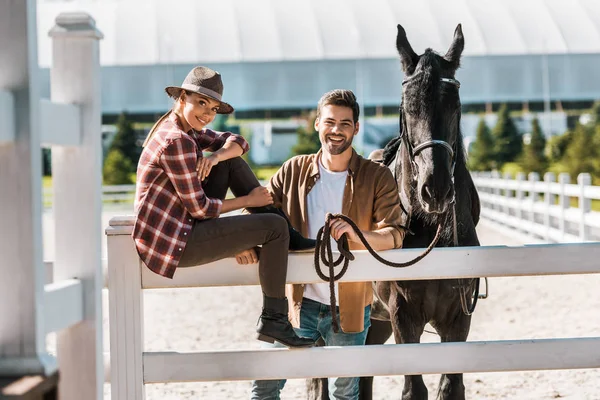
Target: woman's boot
297	241
274	324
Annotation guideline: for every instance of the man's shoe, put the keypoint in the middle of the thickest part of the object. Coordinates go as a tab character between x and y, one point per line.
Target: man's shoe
297	241
275	326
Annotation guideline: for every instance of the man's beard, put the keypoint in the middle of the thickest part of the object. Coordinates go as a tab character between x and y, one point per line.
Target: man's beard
336	149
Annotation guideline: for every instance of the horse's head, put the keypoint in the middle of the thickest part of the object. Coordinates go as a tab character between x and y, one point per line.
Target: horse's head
430	118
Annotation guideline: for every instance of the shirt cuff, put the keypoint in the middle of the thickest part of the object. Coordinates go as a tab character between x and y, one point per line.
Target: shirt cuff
240	141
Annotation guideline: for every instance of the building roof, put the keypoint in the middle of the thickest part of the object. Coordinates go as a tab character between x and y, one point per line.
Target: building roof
284	53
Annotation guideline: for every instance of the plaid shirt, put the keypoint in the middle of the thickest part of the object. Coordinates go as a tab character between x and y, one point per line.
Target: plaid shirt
169	195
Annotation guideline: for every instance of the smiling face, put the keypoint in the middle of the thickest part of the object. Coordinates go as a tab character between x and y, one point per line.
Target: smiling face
336	128
197	110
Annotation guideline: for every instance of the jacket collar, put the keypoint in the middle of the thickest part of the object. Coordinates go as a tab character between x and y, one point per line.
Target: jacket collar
352	167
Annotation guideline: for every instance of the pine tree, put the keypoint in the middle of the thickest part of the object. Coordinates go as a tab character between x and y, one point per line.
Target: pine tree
508	142
308	139
596	113
534	158
126	140
117	168
481	156
220	123
580	154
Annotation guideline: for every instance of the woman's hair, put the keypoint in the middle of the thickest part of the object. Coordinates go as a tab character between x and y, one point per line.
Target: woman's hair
175	109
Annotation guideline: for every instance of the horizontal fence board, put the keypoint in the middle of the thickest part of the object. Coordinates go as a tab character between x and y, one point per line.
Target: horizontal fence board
60	124
380	360
441	263
63	304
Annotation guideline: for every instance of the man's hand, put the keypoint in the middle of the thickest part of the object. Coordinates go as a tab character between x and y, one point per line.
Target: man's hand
205	165
247	257
338	227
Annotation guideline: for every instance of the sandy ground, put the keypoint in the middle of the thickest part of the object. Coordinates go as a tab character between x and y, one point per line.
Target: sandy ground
518	308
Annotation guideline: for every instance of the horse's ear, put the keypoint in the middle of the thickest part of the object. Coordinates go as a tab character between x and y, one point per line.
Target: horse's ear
456	48
408	57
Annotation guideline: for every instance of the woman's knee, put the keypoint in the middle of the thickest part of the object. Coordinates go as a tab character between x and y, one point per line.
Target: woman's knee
277	224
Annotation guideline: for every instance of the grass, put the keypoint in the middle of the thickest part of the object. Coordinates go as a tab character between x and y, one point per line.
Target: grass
265	173
46	181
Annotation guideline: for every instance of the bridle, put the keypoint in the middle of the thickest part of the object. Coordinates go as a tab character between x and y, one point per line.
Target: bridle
413	152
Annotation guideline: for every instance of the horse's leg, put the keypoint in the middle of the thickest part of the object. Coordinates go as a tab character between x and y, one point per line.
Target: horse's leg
379	333
451	386
408	325
316	388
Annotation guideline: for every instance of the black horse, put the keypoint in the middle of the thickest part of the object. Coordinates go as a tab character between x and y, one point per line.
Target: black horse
434	184
429	162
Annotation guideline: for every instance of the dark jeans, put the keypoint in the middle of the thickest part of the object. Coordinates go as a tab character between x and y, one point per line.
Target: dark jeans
217	238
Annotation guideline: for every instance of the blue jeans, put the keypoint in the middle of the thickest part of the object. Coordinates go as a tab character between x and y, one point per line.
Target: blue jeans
315	323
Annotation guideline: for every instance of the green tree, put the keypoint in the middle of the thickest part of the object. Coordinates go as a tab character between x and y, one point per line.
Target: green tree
557	146
533	158
220	123
596	113
46	162
308	139
117	168
580	154
508	142
126	141
481	155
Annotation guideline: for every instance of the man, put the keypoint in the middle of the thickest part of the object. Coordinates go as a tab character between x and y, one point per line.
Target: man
335	180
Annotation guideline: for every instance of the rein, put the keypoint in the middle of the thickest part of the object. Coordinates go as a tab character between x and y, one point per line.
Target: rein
324	253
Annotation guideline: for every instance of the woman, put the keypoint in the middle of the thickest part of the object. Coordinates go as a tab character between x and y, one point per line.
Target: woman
180	195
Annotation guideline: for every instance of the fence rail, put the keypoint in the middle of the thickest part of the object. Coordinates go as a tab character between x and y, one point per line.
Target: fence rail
549	209
132	368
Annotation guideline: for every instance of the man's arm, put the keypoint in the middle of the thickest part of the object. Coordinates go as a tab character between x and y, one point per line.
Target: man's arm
380	239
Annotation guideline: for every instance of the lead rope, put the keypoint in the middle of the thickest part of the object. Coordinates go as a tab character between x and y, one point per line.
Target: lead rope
323	249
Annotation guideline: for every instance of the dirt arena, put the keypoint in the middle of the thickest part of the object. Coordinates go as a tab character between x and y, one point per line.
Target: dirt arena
518	308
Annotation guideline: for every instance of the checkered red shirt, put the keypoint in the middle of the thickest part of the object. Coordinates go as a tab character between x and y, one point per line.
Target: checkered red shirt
169	195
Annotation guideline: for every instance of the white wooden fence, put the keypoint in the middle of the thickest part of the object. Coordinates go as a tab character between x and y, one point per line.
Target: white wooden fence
70	122
543	209
110	194
132	367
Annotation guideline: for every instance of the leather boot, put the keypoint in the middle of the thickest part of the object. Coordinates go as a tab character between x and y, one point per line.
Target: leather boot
297	241
274	325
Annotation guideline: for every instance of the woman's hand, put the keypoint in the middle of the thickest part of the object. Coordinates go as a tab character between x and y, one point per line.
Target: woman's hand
258	197
247	257
205	165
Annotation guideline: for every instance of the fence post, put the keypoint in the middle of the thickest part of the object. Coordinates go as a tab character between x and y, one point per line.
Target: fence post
520	194
585	205
126	318
496	189
549	178
77	179
564	202
22	313
534	177
507	192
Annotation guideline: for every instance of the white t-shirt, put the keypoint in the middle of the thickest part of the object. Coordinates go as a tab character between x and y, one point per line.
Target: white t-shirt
326	197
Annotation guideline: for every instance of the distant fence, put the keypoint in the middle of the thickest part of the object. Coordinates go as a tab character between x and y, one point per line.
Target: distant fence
550	209
110	194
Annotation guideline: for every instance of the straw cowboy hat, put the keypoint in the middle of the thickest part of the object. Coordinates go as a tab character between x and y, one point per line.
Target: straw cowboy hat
204	81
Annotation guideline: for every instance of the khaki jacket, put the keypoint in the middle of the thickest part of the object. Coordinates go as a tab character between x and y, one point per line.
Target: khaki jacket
370	200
